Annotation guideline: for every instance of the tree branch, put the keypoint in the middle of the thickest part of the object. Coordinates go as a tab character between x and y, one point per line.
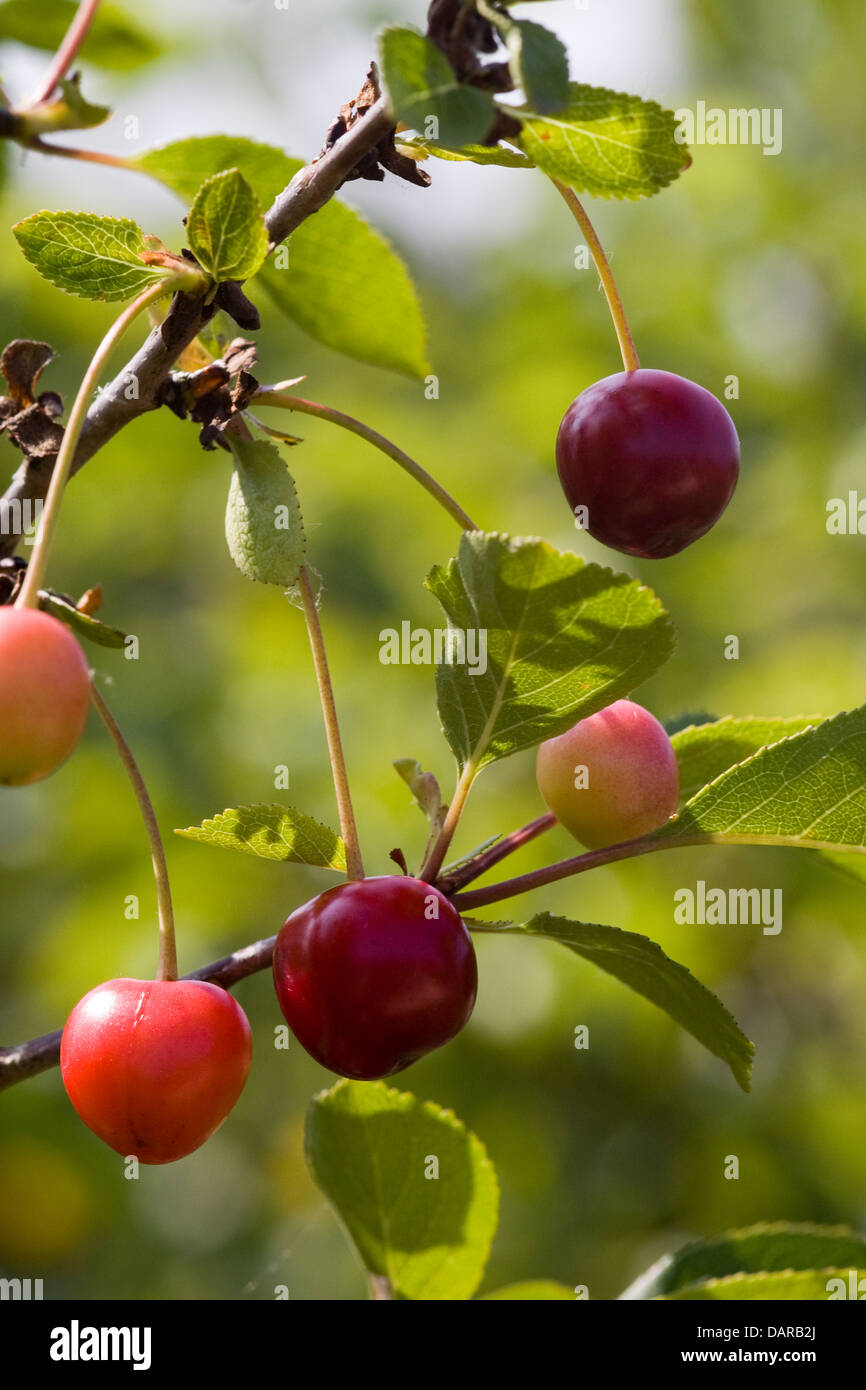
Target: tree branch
449	883
40	1054
135	390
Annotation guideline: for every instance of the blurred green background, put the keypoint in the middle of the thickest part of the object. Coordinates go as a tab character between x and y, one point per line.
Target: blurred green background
750	265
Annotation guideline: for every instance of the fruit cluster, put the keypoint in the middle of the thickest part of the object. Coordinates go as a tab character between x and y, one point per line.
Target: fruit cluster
378	972
370	975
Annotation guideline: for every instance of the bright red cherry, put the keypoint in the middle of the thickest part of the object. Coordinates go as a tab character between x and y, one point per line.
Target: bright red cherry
44	695
154	1066
653	457
375	973
613	777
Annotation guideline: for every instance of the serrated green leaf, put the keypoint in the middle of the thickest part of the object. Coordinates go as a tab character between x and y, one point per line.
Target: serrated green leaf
226	228
605	143
705	751
82	623
809	790
470	154
113	40
264	526
812	1285
370	1149
340	280
641	964
273	832
421	88
90	256
765	1248
533	1290
564	639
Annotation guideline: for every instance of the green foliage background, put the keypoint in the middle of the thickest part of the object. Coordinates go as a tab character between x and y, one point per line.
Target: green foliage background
748	265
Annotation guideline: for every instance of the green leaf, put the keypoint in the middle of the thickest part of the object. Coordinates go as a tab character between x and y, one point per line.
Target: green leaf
564	639
264	526
533	1289
642	965
765	1248
425	789
343	283
539	64
82	623
226	228
184	165
370	1149
605	143
94	257
705	751
422	88
469	154
809	790
113	40
810	1285
273	832
69	111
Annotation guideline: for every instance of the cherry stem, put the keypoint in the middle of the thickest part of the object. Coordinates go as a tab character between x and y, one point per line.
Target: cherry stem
167	968
452	882
28	596
630	359
272	395
435	858
72	152
68	50
348	828
567	868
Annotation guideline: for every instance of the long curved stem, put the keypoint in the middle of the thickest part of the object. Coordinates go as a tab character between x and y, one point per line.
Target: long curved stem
348	828
29	595
630	358
68	50
167	969
272	395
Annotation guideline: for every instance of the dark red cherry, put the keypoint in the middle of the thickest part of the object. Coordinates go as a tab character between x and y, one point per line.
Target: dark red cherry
652	457
374	974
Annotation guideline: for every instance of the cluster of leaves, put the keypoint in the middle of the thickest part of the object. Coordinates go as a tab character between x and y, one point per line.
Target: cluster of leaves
595	140
418	1196
342	282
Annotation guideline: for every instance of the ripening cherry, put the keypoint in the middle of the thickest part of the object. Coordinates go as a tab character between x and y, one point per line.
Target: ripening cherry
154	1066
44	695
375	973
652	457
613	777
